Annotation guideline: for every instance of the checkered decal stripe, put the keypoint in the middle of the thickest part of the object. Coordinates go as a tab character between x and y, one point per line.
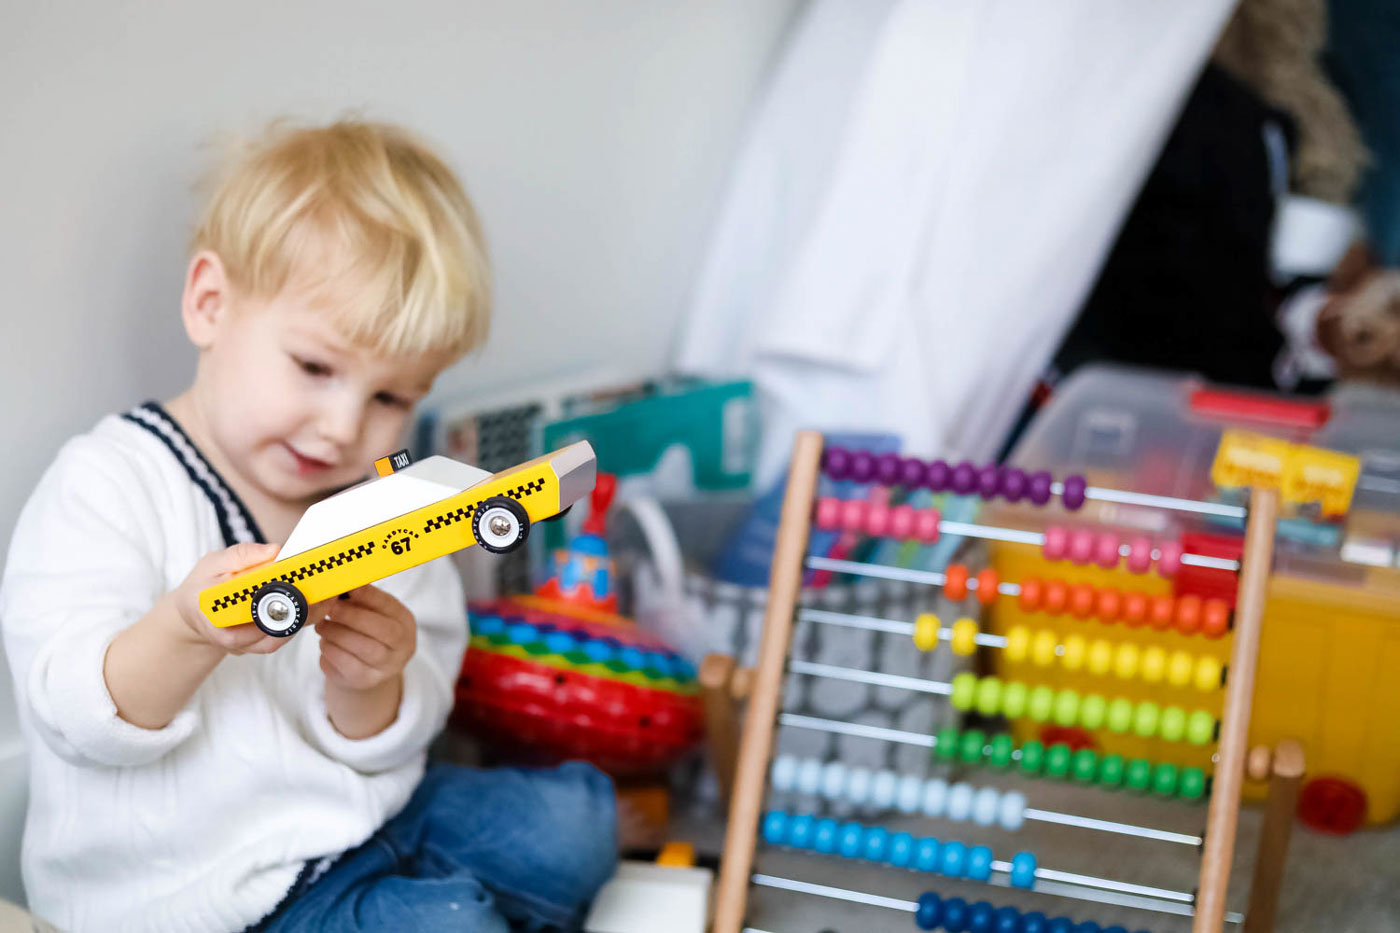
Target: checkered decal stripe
464	513
300	573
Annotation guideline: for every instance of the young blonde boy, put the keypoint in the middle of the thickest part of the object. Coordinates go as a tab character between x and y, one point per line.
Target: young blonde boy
188	777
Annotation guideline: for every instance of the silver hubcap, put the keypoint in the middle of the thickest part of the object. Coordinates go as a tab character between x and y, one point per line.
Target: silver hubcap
276	611
499	527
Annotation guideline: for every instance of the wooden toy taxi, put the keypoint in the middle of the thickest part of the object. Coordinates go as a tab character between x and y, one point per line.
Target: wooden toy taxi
410	514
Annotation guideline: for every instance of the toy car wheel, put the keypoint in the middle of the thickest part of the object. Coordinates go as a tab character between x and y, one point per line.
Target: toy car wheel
500	524
279	609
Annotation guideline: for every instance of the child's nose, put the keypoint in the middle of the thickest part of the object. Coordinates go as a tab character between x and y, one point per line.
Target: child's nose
340	422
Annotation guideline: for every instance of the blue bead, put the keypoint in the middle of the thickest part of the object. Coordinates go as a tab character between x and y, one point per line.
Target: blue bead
1023	870
489	625
852	836
1115	929
876	839
824	836
800	830
979	863
1008	920
775	827
560	642
633	658
1033	922
597	650
1060	925
658	662
979	918
930	911
900	851
926	854
522	633
1087	926
955	915
954	861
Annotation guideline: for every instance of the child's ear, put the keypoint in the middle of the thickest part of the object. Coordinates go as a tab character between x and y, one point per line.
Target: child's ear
206	299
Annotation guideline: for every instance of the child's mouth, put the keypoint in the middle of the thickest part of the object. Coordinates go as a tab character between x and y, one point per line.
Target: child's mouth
307	466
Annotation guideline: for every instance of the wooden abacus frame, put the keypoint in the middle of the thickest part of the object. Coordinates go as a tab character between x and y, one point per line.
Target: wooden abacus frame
764	689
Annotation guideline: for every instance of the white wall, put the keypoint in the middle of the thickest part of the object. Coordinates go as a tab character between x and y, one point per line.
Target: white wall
594	137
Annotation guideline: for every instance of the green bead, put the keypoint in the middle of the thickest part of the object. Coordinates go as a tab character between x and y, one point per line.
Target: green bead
1120	715
1138	775
1042	703
1057	758
1145	719
1002	747
1200	727
1092	711
989	696
1085	765
1193	783
1066	708
1164	780
946	745
1111	771
1013	700
964	691
1173	724
970	746
1032	757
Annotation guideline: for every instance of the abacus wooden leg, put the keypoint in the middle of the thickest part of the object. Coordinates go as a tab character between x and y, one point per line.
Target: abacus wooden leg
721	719
1285	780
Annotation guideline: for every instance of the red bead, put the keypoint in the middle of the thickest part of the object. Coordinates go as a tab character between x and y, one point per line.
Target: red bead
1056	595
1106	550
1110	603
955	584
1081	600
1188	614
1134	609
926	525
853	514
1215	618
1161	612
902	522
828	513
987	586
1031	592
1081	545
877	519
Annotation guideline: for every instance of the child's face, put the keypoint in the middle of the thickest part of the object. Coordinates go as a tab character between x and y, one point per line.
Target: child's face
294	408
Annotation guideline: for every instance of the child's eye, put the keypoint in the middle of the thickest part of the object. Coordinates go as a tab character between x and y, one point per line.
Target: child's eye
393	401
312	368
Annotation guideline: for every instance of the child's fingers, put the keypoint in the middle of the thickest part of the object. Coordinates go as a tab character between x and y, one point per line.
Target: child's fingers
240	557
383	628
380	601
368	650
347	667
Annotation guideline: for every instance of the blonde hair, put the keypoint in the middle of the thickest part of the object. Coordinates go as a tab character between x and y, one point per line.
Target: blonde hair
361	213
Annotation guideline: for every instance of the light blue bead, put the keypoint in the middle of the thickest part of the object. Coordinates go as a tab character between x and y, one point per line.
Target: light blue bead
979	863
800	831
900	851
522	633
489	625
560	642
876	839
824	836
775	828
1023	870
658	662
954	860
852	837
597	650
926	854
632	658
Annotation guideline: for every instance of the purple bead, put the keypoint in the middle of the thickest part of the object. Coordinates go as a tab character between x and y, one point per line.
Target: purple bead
887	469
1013	484
938	476
1040	487
964	478
988	480
836	462
912	472
862	466
1073	495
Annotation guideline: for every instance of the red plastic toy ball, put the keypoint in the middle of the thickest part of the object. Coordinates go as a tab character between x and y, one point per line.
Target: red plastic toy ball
1332	805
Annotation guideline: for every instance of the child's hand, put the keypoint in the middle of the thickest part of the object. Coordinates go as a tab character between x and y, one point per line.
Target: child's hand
366	638
215	567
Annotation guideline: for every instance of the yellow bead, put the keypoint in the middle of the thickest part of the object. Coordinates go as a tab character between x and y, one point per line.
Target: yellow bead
1100	656
1043	648
1125	662
1154	664
1075	649
1180	668
1018	642
964	639
926	628
1207	673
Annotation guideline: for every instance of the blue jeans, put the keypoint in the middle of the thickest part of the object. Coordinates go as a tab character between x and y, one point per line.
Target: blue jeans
485	851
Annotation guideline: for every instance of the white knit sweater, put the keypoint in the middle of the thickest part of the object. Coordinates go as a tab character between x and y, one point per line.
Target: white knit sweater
204	824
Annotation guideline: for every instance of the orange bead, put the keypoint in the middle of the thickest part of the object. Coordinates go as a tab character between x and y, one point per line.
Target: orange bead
1134	609
1162	612
1056	595
987	586
1188	614
955	584
1030	594
1110	603
1215	618
1081	600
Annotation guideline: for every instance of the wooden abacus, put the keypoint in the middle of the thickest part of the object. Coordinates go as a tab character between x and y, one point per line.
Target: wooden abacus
911	794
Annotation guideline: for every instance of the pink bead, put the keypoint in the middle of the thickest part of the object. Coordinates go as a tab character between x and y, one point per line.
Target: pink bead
1106	550
1056	540
902	522
853	515
877	519
1139	555
1169	561
1081	545
828	515
926	525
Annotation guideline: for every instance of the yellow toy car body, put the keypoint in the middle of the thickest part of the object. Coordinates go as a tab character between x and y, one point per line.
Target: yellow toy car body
494	511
